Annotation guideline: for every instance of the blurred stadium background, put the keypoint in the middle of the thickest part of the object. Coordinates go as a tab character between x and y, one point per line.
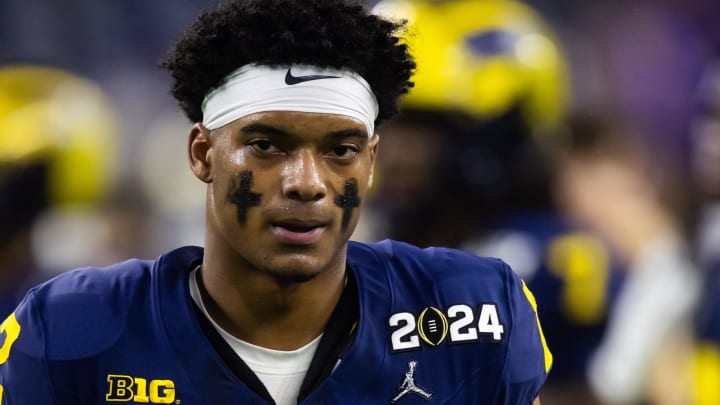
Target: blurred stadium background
652	65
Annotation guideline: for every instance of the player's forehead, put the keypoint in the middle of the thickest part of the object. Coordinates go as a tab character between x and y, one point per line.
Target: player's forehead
300	126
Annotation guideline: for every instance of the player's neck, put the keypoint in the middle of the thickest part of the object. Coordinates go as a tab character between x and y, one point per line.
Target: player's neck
262	310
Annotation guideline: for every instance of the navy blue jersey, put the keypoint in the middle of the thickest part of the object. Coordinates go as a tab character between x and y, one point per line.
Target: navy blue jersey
435	326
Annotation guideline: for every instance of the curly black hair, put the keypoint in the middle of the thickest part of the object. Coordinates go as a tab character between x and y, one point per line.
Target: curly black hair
325	33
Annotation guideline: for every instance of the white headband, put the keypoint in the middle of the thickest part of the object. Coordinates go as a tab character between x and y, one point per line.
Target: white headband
256	88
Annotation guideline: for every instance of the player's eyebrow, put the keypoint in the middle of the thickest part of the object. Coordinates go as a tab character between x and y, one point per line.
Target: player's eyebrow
263	129
347	133
257	127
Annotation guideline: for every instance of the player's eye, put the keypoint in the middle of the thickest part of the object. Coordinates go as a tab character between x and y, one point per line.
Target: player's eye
344	151
264	146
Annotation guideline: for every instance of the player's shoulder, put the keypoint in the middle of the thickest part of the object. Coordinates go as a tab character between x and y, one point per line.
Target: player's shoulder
442	269
84	311
91	290
431	260
117	284
79	312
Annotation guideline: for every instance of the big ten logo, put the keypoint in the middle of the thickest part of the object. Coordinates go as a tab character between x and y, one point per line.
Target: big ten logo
460	323
124	388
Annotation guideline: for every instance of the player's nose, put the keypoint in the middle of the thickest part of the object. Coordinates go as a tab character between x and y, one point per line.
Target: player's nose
303	178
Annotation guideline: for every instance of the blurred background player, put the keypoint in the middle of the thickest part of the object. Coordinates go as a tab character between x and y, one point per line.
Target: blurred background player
609	182
469	163
57	134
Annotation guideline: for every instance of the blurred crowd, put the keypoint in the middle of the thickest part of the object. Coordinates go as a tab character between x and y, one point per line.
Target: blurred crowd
578	141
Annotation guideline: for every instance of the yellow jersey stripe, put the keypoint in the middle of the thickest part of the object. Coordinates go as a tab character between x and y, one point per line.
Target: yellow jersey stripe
546	351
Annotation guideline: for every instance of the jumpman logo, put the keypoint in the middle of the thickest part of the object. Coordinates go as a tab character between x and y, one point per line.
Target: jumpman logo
408	385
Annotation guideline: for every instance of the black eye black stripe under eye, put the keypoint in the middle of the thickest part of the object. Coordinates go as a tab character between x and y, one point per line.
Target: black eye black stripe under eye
348	201
241	195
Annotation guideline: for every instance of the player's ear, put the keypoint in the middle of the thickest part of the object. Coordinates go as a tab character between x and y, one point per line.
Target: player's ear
199	152
373	148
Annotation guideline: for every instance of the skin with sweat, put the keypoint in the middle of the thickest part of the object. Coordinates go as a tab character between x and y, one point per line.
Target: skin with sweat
276	236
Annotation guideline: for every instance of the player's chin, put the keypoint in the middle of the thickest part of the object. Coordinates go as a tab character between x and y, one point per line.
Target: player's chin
294	277
296	267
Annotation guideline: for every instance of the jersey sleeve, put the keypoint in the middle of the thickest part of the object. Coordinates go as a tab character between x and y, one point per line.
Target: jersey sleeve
528	359
24	376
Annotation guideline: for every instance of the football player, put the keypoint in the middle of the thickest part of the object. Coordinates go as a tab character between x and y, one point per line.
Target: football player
279	307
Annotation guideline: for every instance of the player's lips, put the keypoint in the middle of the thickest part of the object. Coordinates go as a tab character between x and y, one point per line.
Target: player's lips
298	232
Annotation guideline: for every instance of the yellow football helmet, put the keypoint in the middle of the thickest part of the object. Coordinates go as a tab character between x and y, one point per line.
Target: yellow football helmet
483	57
52	115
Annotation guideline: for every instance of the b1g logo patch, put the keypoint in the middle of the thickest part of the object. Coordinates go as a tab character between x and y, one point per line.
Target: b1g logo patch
459	323
125	388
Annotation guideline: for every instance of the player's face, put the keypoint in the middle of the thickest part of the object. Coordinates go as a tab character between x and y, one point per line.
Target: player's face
285	190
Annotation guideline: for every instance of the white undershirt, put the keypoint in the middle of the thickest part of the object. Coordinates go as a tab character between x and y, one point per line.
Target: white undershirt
282	372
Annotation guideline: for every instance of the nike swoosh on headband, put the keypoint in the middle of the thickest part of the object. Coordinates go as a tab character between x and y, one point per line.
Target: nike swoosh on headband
290	79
